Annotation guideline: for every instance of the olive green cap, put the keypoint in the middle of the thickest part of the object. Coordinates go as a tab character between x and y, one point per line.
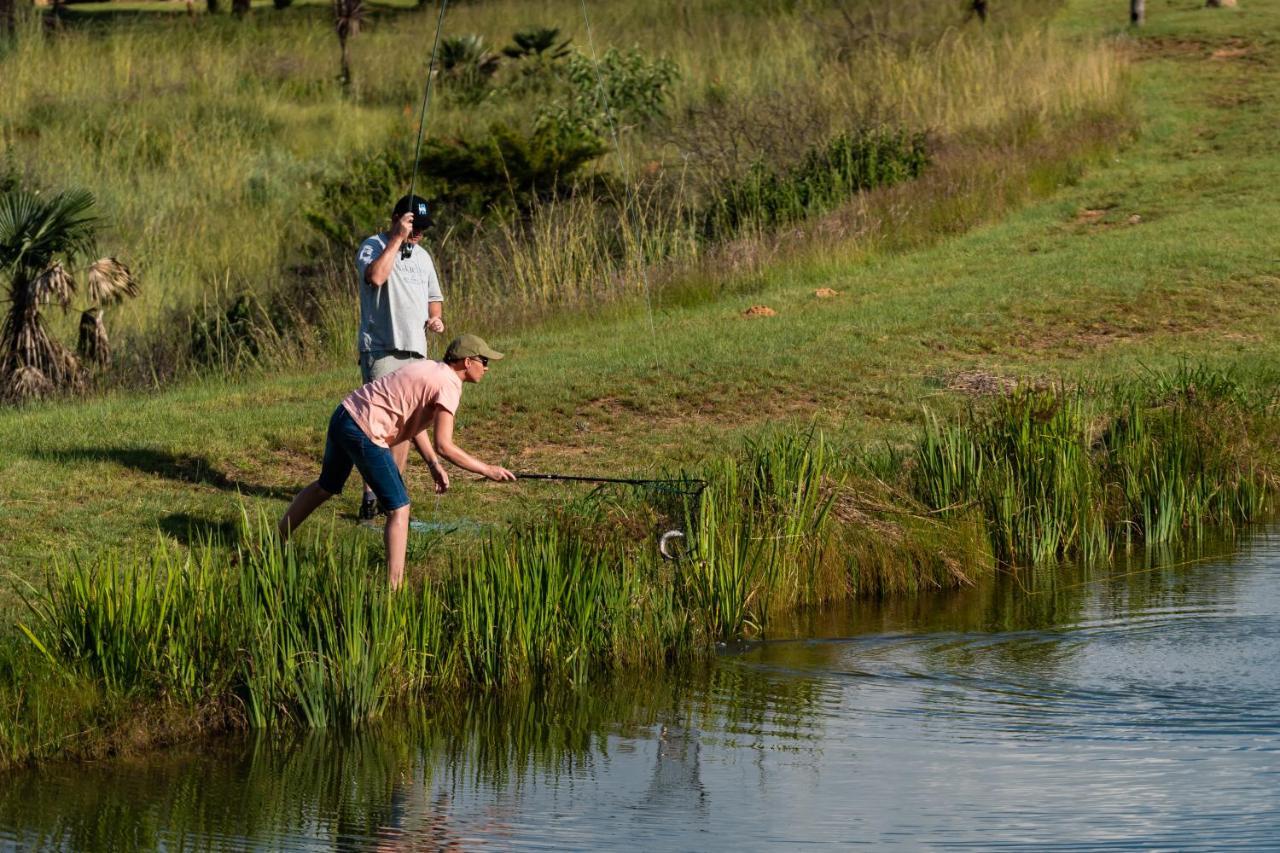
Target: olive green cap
469	346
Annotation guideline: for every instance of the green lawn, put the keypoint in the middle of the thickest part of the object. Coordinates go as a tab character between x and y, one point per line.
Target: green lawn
1167	252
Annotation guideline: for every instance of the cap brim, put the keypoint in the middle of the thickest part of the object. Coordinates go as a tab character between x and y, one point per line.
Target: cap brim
492	354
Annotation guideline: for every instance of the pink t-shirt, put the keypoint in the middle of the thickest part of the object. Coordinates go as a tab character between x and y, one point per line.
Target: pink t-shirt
400	405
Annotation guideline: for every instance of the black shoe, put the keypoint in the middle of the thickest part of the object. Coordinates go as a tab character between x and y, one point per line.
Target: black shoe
368	508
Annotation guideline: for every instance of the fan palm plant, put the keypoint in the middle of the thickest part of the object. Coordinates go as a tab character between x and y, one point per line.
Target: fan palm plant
40	239
468	64
542	43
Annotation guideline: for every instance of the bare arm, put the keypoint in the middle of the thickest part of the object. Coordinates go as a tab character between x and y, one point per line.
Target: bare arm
377	273
455	454
428	454
434	312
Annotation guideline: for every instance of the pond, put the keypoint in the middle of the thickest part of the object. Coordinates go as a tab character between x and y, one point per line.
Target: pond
1136	707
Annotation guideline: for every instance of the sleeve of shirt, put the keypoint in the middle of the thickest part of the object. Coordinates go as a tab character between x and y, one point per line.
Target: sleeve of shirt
449	398
365	255
433	283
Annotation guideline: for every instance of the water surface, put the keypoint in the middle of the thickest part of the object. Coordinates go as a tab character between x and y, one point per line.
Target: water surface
1137	708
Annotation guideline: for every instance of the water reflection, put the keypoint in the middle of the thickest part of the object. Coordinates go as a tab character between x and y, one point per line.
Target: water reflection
1136	707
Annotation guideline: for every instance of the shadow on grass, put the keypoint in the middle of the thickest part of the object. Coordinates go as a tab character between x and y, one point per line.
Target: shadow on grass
182	467
196	530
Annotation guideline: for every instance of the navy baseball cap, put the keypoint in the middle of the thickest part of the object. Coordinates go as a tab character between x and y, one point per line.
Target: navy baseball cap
418	206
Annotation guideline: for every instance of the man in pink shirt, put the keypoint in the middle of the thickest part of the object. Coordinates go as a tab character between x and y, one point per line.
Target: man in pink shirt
386	412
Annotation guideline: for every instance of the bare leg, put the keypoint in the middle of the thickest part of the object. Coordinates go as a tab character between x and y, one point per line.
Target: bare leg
305	503
396	536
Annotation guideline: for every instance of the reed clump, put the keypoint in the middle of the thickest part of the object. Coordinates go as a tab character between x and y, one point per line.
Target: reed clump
1059	473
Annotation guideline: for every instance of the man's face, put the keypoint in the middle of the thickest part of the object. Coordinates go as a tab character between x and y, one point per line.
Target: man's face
476	367
415	237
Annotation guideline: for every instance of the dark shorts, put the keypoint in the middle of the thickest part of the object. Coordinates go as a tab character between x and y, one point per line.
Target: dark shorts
348	446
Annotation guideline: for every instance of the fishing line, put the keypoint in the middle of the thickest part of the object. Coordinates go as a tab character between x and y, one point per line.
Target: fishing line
1116	576
666	542
422	114
626	169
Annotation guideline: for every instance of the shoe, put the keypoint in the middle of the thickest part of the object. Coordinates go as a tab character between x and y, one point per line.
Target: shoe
368	508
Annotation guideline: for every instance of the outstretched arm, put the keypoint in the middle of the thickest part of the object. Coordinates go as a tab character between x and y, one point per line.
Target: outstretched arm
455	454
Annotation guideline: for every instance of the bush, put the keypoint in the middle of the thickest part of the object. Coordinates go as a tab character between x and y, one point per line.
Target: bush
509	167
826	176
623	88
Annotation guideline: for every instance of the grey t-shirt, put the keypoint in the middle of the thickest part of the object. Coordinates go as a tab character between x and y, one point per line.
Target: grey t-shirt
392	316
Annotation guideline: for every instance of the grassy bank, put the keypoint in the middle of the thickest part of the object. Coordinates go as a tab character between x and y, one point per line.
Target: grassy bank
1070	288
313	637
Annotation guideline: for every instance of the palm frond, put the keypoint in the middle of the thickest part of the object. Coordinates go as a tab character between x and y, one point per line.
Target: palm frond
53	285
35	230
93	345
110	282
26	383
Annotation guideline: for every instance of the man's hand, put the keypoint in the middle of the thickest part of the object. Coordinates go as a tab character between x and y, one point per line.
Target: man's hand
404	227
500	474
441	477
435	324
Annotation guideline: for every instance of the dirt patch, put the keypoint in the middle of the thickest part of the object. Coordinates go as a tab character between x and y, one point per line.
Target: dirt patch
825	293
1102	218
1210	49
759	311
980	383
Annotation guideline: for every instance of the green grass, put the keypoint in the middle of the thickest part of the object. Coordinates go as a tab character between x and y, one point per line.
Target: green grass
206	141
932	296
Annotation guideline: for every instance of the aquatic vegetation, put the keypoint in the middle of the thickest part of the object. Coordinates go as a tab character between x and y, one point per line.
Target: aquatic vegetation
1058	474
310	635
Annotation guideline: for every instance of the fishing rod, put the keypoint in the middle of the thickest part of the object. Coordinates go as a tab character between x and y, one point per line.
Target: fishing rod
666	542
407	250
627	481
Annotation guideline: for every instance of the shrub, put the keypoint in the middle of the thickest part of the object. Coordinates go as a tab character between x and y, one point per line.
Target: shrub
827	175
623	88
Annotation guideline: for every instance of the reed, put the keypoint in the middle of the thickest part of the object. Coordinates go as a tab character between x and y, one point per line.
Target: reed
1056	474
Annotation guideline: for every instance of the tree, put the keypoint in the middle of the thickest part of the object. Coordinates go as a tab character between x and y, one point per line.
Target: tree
1137	12
211	6
40	239
977	8
347	15
240	8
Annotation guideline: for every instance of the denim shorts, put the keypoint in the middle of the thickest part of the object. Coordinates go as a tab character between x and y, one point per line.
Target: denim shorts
347	446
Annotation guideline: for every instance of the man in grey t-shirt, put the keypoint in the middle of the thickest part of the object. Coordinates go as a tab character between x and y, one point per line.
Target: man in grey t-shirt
399	302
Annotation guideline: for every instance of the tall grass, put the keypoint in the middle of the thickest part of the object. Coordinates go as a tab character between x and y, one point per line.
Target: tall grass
205	140
1059	474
